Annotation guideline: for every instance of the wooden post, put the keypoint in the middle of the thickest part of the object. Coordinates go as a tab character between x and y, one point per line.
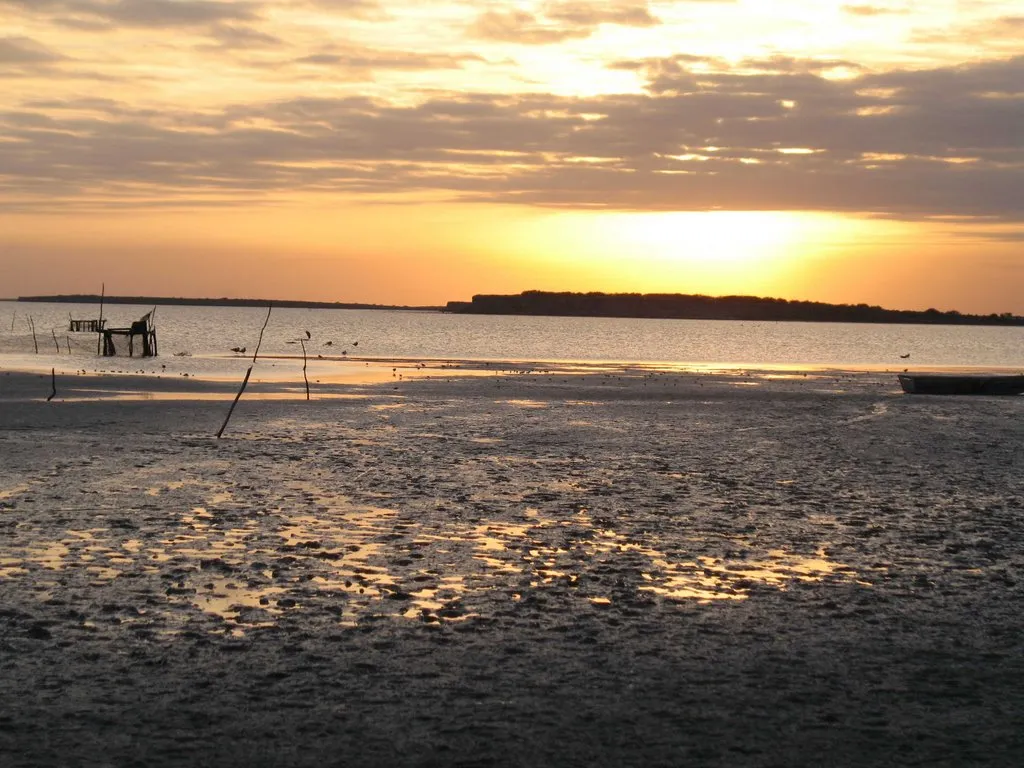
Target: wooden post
100	339
55	342
32	325
247	374
68	340
304	378
53	384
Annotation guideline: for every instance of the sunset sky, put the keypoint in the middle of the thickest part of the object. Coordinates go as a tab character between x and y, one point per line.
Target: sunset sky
417	152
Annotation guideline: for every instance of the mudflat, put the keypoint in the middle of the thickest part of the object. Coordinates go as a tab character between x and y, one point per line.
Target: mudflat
613	569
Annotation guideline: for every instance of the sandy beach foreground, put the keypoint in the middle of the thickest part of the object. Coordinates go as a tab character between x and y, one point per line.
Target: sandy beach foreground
613	569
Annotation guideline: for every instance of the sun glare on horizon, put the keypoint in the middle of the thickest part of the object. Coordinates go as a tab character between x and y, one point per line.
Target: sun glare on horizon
715	252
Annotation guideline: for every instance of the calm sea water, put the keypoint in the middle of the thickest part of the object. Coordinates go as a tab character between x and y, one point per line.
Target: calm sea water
203	337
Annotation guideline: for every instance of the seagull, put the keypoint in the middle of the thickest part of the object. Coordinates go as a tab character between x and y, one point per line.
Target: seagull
904	357
309	335
328	343
239	350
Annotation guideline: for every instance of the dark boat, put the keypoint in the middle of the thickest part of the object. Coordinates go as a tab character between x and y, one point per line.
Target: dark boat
961	384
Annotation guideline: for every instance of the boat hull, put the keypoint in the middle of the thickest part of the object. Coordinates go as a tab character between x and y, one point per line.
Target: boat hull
960	384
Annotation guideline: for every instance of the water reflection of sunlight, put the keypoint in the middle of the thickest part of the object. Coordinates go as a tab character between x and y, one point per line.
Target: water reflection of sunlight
522	548
353	561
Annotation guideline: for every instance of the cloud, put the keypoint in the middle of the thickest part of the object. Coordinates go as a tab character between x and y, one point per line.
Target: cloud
234	36
24	50
559	22
523	28
140	13
359	9
993	35
872	10
902	144
589	14
367	58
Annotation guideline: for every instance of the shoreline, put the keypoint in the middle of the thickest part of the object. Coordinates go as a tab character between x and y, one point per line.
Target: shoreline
275	375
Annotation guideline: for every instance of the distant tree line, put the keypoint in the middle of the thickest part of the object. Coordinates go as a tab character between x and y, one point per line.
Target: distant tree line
698	307
223	302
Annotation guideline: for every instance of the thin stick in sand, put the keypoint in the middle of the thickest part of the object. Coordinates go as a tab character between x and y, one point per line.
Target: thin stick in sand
99	336
247	374
32	325
302	342
55	342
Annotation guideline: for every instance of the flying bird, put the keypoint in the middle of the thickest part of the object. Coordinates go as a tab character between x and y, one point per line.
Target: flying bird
904	357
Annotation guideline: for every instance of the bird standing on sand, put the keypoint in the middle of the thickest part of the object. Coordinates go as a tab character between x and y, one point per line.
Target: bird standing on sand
309	335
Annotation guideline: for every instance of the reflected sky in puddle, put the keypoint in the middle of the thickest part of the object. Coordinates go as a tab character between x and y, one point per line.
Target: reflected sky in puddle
17	490
525	548
84	395
250	570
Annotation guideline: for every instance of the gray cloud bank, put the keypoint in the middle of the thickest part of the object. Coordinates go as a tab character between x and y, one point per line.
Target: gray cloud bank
771	135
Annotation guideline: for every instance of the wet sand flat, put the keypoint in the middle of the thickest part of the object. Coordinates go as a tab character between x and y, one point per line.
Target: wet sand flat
613	569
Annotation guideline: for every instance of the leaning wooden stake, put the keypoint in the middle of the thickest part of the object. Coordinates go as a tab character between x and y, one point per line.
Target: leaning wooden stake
302	342
68	340
55	342
32	325
99	336
247	374
53	384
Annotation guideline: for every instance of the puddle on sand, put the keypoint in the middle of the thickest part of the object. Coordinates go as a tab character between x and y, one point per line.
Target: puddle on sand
11	567
229	597
347	542
353	561
10	493
526	549
716	579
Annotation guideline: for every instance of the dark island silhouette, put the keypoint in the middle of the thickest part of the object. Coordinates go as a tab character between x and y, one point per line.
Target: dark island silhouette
567	304
699	307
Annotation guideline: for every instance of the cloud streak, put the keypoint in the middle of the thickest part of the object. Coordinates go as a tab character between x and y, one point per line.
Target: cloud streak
558	22
140	13
24	50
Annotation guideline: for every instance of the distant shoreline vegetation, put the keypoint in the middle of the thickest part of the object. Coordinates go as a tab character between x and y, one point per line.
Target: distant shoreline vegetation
677	306
697	307
223	302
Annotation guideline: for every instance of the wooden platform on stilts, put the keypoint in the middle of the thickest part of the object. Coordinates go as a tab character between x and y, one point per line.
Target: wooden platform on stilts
143	328
86	326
